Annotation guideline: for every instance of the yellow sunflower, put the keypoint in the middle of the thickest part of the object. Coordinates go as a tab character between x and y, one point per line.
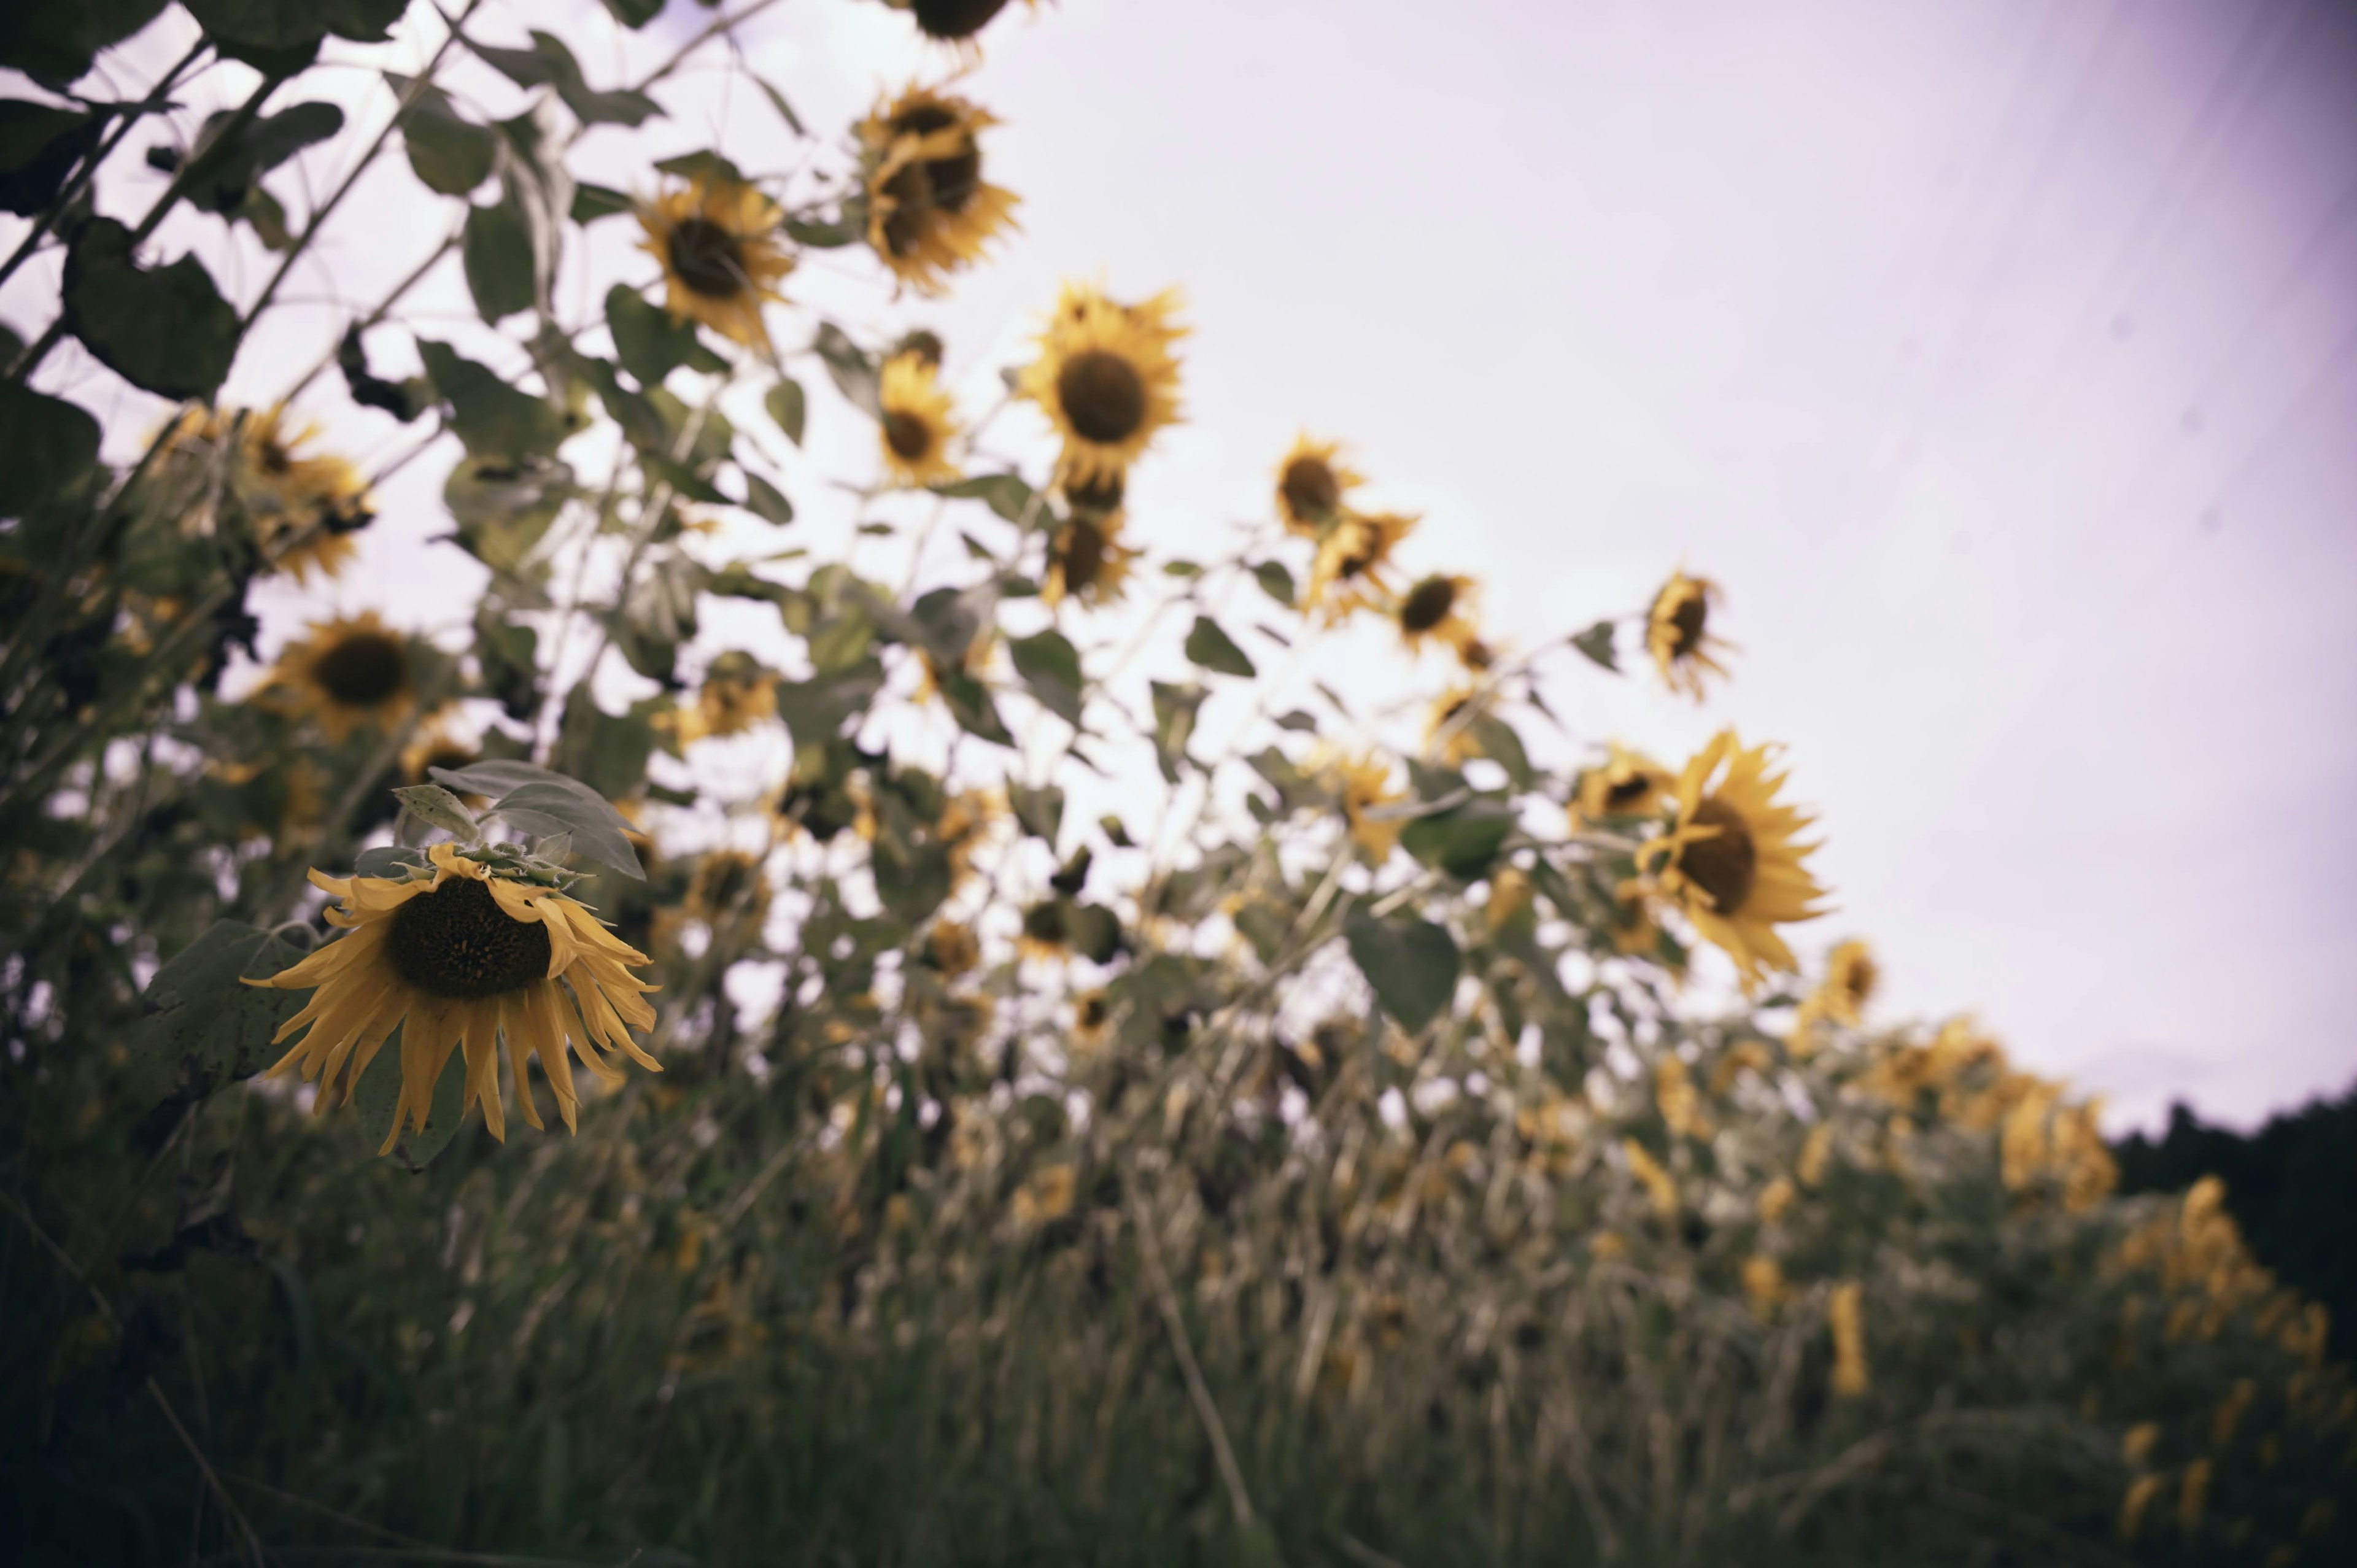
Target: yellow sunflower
1437	608
1313	487
951	948
301	508
717	239
1677	633
1087	561
1627	784
1092	1018
917	423
1105	378
1349	572
1851	977
349	672
460	958
1730	862
1365	786
930	212
729	884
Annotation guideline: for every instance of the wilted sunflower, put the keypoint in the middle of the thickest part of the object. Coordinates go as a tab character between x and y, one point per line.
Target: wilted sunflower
1349	572
916	422
1677	633
1105	378
1086	561
954	21
1365	786
729	884
1626	784
929	210
1313	487
1437	608
302	509
460	959
349	671
721	259
1730	862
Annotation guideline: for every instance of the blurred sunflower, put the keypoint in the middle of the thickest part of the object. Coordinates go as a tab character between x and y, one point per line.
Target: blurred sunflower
1105	378
729	884
736	693
930	212
460	959
349	672
954	21
916	422
1092	1018
1627	784
1086	561
951	948
1437	608
1047	931
302	508
1635	933
1365	786
1313	487
717	239
1677	633
1349	572
1730	862
968	820
1449	727
1851	977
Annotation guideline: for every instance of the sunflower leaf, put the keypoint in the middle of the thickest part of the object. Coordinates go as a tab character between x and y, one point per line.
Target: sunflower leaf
54	45
548	63
1006	494
52	446
1174	724
496	250
1209	645
855	373
787	408
598	829
1597	643
1462	841
1039	811
437	808
230	158
491	418
204	1027
647	340
387	859
1411	963
972	706
1051	666
766	501
822	236
591	202
1275	580
164	330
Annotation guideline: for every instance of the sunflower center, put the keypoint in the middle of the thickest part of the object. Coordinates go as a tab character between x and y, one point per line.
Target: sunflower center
1103	395
1861	980
361	670
1688	619
955	19
1725	864
273	458
457	943
908	436
1619	794
706	259
1093	1013
1428	605
950	181
1309	487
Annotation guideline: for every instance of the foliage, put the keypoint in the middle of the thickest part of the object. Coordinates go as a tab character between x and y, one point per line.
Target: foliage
1360	1163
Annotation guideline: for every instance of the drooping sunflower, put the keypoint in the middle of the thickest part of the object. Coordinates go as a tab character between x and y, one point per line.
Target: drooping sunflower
930	211
1349	573
1731	863
349	672
302	508
1105	378
917	423
461	959
1313	487
1365	786
1677	633
1626	784
1086	561
1437	608
717	239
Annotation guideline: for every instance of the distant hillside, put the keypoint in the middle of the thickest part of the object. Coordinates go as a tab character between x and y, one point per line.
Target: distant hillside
2288	1185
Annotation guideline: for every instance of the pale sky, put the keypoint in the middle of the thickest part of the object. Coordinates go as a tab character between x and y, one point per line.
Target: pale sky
1999	360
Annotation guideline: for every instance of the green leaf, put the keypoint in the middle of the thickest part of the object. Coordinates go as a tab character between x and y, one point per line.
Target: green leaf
778	101
1006	494
787	408
970	703
766	501
648	342
39	147
52	446
54	43
497	252
225	163
449	153
404	400
1277	581
1210	647
1051	667
164	330
591	202
493	418
1181	569
854	371
437	808
704	165
503	506
548	63
541	802
1462	841
1174	724
507	652
1411	963
1299	720
1094	931
203	1027
1039	811
1597	643
1496	739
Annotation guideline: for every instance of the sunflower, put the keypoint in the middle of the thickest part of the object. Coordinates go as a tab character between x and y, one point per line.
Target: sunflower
1730	862
349	671
1851	977
459	957
729	884
717	243
954	21
951	948
1086	561
1437	608
1098	498
1092	1018
930	212
1313	487
1634	932
736	694
1349	572
1365	786
1627	784
301	509
1105	378
916	422
969	820
1677	633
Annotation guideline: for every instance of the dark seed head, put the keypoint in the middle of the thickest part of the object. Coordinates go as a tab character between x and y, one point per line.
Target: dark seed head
1083	554
1621	794
362	668
1103	395
1688	619
908	436
1725	864
1044	923
706	259
1310	489
456	942
1428	605
1100	495
955	19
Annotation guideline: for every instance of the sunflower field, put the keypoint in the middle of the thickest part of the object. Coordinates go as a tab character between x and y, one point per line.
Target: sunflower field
825	1004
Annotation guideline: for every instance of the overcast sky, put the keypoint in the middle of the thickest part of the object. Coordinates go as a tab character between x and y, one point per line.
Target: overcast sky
1999	359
